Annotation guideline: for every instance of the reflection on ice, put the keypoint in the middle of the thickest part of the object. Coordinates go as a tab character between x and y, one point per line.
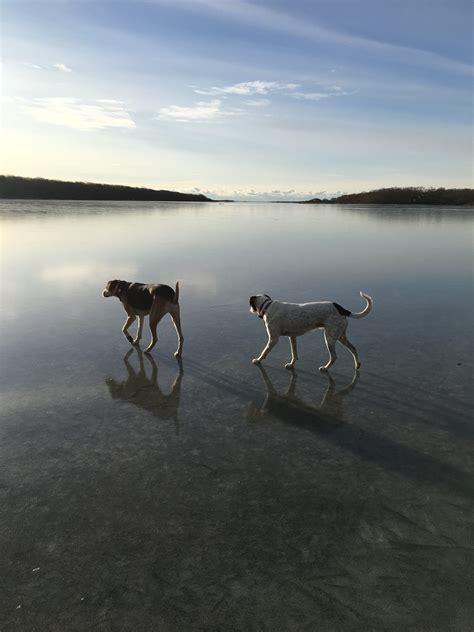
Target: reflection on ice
141	387
289	408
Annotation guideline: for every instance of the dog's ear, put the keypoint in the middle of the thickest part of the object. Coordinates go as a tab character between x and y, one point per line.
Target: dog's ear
121	287
267	296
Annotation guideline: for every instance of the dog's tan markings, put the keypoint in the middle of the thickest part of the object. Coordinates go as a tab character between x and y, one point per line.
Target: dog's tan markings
129	321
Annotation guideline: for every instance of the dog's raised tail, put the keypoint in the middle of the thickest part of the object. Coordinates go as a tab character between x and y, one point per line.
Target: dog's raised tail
176	293
366	310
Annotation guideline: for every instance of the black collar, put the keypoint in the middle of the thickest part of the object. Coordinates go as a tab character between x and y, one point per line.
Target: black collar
264	307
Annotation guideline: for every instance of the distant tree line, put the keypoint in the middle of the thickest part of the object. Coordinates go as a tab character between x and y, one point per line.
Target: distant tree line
407	195
16	187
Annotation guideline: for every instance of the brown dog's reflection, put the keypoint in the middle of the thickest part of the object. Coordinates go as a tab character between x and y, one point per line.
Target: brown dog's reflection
144	391
289	408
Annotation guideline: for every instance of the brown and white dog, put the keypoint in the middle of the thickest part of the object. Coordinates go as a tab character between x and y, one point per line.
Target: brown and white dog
296	319
141	299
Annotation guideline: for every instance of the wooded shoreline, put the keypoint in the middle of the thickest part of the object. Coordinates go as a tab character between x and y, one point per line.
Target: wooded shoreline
17	187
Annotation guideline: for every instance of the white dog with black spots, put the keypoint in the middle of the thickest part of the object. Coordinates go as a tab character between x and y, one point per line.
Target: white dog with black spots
296	319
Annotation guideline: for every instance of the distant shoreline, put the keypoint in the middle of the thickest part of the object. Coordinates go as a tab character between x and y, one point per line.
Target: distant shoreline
404	196
20	188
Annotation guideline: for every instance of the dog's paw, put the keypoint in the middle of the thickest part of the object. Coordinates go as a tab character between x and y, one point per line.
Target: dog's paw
177	354
136	342
256	361
129	338
323	369
289	365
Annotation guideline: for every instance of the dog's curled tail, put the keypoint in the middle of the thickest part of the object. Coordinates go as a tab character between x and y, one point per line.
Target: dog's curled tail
176	293
367	309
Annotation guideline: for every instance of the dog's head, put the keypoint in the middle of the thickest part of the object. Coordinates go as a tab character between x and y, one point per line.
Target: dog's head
114	288
256	303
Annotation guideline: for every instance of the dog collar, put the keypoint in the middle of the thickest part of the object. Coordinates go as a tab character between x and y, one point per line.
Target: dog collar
265	305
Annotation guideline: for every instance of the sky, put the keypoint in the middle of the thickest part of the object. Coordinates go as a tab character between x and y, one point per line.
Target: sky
240	99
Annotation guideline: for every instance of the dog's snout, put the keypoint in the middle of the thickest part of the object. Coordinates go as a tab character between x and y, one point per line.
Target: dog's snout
105	294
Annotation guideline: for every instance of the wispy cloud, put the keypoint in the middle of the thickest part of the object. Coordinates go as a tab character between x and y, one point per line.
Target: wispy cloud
208	110
31	65
62	67
200	111
57	67
265	88
250	87
258	103
70	112
312	96
334	91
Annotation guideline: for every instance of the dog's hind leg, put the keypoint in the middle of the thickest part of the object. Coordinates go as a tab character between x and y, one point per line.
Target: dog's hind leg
294	353
175	315
331	345
343	340
158	310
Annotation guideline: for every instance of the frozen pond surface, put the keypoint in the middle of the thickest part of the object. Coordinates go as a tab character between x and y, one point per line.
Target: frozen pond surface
139	493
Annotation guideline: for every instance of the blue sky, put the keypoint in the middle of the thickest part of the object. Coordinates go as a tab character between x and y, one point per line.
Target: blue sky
244	99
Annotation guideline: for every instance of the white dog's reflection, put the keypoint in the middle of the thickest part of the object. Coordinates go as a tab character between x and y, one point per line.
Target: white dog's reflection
288	407
144	391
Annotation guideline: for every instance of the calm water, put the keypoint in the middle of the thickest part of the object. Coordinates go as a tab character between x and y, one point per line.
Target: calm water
139	493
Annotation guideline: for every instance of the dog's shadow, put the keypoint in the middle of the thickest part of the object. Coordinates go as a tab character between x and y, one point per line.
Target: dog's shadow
289	408
143	390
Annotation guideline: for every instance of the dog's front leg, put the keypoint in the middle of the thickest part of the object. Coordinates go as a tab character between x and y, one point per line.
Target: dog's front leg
272	340
141	320
125	327
294	353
